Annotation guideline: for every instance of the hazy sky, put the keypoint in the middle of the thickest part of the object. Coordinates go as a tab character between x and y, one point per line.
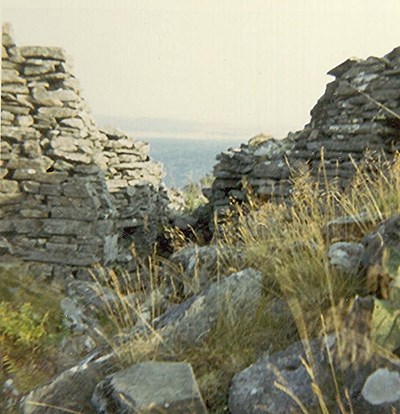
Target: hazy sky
248	63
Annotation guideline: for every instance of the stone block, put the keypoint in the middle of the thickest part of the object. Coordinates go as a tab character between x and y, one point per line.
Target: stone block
76	259
72	123
29	226
9	186
11	76
31	149
73	213
43	52
65	95
40	177
17	134
14	88
59	248
35	69
3	171
6	225
46	98
35	213
50	189
24	121
15	109
57	112
7	116
150	387
73	156
66	227
78	189
8	199
39	164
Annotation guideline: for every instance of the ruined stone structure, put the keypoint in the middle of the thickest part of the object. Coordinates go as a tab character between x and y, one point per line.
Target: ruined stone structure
354	121
71	195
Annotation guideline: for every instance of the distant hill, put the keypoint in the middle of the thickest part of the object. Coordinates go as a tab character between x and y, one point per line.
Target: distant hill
174	128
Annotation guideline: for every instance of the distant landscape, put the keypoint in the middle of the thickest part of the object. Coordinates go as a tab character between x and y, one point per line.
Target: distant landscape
187	149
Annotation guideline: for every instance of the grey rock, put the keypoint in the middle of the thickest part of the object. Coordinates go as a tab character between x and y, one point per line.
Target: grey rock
371	383
43	52
72	389
150	387
9	186
11	76
36	69
191	321
346	256
73	316
57	112
254	390
382	387
46	98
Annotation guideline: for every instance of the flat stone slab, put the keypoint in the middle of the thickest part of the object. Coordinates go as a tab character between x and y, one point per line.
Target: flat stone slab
150	387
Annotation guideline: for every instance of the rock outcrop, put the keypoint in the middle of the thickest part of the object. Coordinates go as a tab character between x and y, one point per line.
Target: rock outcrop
285	381
355	122
71	195
150	387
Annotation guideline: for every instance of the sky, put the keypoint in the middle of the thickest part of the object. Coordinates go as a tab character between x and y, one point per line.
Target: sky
256	64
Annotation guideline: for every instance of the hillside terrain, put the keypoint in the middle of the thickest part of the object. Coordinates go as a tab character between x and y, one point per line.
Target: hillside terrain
271	287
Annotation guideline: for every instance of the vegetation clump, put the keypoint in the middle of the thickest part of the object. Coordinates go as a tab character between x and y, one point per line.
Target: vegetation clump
30	328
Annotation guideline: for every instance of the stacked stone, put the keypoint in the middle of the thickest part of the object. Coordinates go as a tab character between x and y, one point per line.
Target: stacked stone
135	185
55	207
68	191
355	122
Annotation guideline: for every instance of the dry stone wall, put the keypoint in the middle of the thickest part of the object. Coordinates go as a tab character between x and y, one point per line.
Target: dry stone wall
355	120
68	190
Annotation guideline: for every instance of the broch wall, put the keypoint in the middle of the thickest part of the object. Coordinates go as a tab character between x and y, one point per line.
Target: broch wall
71	195
352	123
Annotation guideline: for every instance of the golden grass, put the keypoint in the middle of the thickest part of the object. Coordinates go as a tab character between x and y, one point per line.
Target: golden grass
288	244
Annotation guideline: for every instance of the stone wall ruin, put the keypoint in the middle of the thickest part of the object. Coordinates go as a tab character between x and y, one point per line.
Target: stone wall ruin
71	195
354	122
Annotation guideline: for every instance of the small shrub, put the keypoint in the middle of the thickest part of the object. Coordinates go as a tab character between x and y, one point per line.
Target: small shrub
22	325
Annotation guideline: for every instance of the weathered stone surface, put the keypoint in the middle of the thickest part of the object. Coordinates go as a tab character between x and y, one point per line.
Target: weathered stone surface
24	121
191	321
55	165
382	387
40	164
150	387
9	186
346	255
254	390
344	123
46	98
71	390
43	52
19	134
371	380
57	112
11	76
38	69
73	123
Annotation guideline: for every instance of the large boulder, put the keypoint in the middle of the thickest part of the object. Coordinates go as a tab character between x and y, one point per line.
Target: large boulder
233	297
72	390
307	375
150	387
255	390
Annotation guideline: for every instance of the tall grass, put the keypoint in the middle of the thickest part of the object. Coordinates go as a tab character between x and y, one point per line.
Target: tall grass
288	243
